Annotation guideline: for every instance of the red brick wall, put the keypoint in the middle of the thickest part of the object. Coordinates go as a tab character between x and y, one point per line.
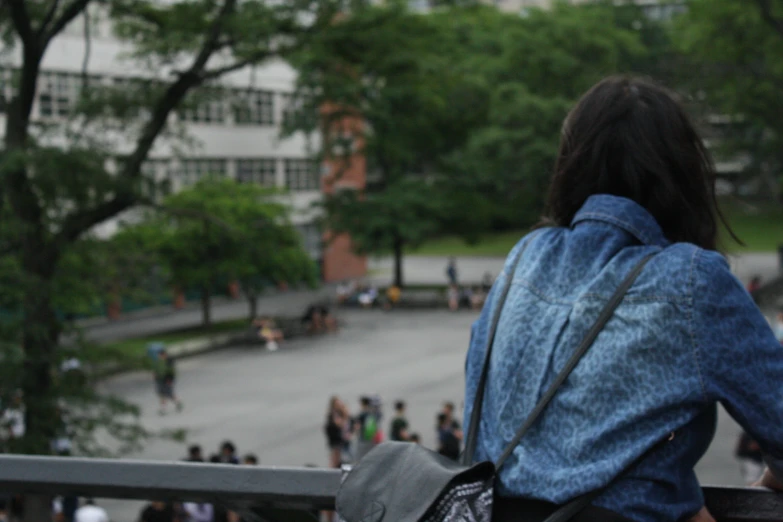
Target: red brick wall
339	261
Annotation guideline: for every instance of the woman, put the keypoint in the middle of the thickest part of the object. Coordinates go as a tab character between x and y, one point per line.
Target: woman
632	178
335	429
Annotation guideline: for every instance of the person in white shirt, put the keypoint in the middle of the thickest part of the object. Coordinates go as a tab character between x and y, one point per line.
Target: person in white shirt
89	512
197	512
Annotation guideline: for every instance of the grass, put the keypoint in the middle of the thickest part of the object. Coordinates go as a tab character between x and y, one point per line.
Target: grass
497	244
759	226
138	346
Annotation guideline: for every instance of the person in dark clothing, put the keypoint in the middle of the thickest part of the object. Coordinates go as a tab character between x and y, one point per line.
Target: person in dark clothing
448	443
228	453
451	271
337	418
454	425
158	512
165	375
250	460
366	425
751	458
399	425
194	454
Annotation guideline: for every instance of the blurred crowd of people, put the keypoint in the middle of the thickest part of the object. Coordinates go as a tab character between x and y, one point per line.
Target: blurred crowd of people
350	437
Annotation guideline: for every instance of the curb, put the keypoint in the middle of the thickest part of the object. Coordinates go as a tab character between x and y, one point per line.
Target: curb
183	350
146	313
201	345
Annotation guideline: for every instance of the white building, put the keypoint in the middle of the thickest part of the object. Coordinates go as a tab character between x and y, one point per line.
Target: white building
237	136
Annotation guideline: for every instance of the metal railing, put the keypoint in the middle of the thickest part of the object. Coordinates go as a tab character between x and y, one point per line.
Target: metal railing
276	494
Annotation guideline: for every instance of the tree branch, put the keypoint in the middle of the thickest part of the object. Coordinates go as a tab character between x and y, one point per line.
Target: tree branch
21	20
49	17
87	52
236	66
79	222
765	7
70	12
213	40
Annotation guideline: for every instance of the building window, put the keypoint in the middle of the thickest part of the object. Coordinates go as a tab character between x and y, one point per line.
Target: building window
56	94
194	170
155	178
211	109
311	239
254	108
262	171
301	174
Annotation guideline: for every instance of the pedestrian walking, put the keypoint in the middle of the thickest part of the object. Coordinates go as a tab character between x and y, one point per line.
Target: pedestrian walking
336	420
451	272
165	375
366	427
399	425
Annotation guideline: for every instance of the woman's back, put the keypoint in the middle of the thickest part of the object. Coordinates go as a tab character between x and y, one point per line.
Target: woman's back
667	355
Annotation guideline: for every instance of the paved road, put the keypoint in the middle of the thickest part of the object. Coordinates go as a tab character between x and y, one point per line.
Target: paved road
273	404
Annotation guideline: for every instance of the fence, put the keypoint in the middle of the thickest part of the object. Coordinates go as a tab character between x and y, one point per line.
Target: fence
275	494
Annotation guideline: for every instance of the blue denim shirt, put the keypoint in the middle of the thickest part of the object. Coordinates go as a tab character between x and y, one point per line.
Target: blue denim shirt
686	336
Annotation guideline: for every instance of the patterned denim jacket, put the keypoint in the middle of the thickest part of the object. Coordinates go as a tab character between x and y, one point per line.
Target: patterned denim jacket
686	336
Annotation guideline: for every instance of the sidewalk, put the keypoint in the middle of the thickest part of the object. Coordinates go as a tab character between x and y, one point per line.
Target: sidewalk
157	320
471	270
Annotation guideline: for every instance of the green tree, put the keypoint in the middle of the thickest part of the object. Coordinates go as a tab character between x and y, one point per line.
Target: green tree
220	230
543	62
393	70
463	109
60	179
735	48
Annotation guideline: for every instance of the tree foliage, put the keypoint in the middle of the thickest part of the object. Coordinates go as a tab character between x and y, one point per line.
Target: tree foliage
218	231
62	176
735	48
463	110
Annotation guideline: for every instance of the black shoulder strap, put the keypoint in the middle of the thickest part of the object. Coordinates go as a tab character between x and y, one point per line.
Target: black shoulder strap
603	318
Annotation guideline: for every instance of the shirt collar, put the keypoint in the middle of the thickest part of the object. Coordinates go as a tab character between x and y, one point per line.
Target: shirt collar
623	213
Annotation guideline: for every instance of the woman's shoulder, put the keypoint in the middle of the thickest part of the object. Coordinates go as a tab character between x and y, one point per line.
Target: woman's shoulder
691	271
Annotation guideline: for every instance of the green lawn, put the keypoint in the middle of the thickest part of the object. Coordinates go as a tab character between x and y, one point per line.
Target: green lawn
759	227
138	346
496	244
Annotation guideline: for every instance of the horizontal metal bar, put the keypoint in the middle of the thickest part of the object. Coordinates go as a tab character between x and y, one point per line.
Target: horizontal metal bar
132	479
743	504
265	487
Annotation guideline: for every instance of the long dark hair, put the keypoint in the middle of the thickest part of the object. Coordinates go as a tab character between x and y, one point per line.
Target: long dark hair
631	138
